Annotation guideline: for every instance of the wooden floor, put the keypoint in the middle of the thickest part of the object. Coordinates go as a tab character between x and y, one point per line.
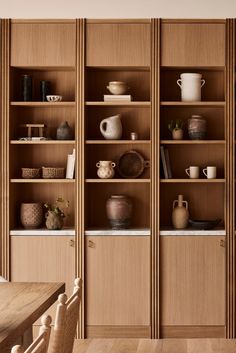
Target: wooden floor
157	346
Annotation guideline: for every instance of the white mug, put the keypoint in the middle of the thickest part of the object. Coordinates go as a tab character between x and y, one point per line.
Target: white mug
193	172
210	172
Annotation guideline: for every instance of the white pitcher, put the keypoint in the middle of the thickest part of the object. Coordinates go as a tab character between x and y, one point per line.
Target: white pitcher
190	85
111	128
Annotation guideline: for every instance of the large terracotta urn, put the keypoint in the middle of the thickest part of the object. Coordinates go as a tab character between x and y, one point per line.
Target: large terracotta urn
119	211
180	214
31	215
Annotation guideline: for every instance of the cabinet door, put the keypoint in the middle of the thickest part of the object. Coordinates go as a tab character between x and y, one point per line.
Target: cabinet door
192	280
43	43
118	44
117	280
43	259
193	44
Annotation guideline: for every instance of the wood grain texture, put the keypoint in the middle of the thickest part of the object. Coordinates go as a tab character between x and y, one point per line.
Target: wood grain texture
123	263
155	346
193	44
21	304
43	259
118	44
123	331
42	44
193	331
192	281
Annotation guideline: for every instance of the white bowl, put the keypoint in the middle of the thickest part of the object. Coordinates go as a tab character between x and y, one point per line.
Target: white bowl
54	98
117	87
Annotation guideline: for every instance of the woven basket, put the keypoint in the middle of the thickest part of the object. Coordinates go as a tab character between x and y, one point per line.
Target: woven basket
30	173
53	173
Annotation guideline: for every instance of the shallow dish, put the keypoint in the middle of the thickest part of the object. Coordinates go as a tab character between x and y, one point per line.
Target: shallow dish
54	98
204	224
131	164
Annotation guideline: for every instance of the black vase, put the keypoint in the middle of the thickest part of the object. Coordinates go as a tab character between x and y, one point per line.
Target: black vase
64	131
26	88
44	90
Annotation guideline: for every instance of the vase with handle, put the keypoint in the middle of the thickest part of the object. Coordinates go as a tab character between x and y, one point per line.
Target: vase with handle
190	84
180	214
105	169
111	128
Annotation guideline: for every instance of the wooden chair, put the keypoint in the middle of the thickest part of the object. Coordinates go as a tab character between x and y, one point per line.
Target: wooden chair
40	345
67	315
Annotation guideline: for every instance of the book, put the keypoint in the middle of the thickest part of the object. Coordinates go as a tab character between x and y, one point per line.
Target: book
163	160
167	157
117	97
70	167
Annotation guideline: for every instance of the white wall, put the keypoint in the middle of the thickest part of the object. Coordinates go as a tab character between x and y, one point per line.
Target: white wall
117	8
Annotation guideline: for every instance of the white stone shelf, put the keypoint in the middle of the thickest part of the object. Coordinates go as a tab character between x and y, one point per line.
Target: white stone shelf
128	232
191	231
25	232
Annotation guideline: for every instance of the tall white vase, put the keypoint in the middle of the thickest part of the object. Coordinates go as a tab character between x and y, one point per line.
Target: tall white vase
190	84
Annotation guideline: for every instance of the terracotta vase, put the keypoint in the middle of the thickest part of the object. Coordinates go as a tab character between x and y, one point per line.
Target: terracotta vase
105	169
180	214
119	211
31	215
53	221
64	131
177	134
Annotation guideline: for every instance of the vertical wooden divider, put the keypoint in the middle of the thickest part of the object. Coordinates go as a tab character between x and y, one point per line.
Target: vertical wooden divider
155	104
229	161
80	57
5	60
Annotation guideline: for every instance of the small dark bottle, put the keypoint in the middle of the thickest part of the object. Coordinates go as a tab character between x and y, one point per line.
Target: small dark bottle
26	88
44	90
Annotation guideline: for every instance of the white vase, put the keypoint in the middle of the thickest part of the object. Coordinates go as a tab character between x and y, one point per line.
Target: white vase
190	84
111	128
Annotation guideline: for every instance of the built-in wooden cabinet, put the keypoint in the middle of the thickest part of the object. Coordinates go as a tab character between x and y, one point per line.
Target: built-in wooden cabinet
149	280
118	271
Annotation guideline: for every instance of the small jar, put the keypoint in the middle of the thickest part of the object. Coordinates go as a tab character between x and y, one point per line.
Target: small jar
134	136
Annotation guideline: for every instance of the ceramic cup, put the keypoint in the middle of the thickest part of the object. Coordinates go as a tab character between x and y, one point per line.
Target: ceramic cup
210	172
193	172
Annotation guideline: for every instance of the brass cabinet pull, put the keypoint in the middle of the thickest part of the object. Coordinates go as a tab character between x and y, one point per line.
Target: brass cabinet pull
72	243
91	244
222	243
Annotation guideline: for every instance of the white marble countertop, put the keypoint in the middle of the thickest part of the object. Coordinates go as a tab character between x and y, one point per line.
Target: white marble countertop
25	232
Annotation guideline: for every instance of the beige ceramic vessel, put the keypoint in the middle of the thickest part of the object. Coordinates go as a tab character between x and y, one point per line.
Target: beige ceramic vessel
180	214
105	169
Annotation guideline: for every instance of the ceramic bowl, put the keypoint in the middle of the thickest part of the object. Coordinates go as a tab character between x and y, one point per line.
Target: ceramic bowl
117	87
54	98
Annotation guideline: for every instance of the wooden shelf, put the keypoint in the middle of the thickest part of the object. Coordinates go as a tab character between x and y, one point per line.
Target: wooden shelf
43	104
44	142
117	142
192	142
189	181
117	180
45	68
193	104
123	104
44	181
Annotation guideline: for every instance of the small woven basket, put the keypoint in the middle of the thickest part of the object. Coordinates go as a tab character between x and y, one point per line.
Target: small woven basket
30	173
53	173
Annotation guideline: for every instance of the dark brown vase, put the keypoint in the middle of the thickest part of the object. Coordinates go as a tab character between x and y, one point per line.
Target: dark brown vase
53	221
119	211
31	215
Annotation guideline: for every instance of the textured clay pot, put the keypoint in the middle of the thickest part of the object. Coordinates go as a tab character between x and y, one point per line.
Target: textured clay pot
64	131
197	127
119	211
180	214
105	169
111	128
31	215
53	221
177	134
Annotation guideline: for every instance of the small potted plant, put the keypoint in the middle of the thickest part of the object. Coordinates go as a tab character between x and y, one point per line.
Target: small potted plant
176	128
55	214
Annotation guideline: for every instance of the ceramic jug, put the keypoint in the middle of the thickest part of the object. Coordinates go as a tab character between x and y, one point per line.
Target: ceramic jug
180	214
190	84
111	128
105	169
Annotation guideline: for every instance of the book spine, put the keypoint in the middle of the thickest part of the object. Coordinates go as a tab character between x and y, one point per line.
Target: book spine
164	162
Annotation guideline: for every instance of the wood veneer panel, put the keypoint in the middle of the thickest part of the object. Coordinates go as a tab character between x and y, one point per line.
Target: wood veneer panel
193	281
118	44
124	297
194	332
192	44
124	331
43	44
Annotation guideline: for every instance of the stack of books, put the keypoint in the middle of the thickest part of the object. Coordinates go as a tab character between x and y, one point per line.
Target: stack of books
117	98
165	163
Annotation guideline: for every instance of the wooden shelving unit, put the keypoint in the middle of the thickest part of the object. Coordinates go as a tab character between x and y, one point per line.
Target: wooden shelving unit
43	104
192	181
